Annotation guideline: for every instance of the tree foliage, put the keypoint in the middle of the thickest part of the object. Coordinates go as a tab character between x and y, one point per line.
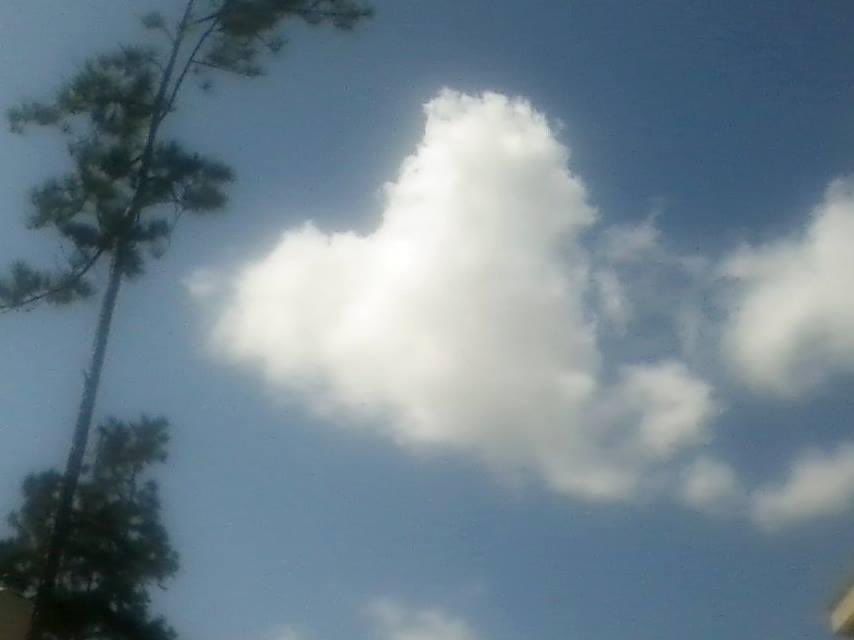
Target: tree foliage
119	548
127	186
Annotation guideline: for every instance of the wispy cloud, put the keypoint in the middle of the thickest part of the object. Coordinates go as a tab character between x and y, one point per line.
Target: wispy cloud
712	485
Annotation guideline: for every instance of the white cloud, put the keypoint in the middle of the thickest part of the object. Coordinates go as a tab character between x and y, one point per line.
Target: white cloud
392	620
285	633
669	406
613	299
202	284
464	321
397	622
792	320
644	286
711	485
631	243
820	484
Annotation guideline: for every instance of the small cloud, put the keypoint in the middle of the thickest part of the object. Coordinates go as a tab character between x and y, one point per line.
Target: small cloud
613	299
712	486
395	621
820	484
202	284
285	633
791	322
670	407
625	244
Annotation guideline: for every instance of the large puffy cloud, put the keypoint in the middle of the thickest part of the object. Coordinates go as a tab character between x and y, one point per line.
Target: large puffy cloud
465	321
820	484
792	319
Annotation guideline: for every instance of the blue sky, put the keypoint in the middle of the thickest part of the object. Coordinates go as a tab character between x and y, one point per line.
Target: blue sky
336	474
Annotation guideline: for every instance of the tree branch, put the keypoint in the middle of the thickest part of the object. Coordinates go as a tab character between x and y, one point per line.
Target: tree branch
312	11
218	67
190	61
159	112
51	291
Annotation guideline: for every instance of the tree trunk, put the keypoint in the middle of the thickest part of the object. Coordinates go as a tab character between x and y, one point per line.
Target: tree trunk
62	520
74	465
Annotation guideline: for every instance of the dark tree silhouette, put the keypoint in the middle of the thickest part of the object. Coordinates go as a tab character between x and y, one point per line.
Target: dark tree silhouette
128	186
118	548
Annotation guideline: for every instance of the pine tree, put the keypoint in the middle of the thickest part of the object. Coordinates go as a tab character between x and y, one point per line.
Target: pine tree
118	549
128	185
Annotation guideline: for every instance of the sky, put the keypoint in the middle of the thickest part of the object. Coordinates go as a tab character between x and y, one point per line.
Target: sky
525	320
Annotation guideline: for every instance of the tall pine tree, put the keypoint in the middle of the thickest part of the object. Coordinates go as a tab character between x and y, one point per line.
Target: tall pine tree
128	184
118	548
